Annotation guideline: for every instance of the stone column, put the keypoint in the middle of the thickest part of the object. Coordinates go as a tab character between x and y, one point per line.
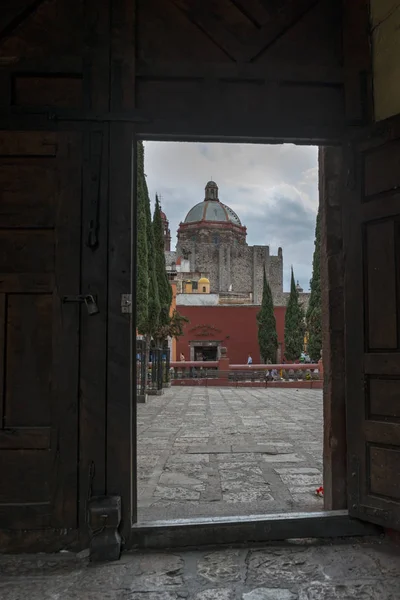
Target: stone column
223	365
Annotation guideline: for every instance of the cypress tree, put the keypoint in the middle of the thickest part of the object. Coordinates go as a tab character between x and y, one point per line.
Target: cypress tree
154	300
267	336
164	287
142	266
294	324
314	311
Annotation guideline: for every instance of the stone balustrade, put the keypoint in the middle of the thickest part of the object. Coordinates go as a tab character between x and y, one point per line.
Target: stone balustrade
222	373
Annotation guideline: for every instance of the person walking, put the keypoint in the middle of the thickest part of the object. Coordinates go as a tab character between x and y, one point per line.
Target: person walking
249	360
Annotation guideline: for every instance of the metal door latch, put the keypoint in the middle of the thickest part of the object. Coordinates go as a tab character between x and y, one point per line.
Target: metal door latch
89	300
126	304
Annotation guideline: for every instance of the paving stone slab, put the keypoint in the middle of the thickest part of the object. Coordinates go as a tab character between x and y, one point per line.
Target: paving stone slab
216	594
222	566
269	594
359	591
264	434
176	493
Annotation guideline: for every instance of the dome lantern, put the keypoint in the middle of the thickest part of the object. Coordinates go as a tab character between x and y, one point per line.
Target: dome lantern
212	210
211	191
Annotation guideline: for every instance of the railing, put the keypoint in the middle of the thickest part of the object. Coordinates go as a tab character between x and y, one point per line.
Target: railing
202	372
276	372
155	371
140	368
194	370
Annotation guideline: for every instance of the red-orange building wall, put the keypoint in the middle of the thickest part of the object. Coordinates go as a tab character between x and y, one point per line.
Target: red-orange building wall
234	326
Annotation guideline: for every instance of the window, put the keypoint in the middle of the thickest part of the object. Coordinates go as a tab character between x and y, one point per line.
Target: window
204	289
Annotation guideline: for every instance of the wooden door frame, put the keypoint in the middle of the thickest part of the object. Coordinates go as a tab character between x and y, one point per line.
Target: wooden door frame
335	457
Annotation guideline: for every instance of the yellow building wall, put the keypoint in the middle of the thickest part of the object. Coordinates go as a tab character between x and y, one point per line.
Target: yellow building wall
385	26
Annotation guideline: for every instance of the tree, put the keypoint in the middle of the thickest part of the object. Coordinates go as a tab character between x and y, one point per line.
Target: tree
173	328
267	336
142	267
153	316
164	286
294	324
314	311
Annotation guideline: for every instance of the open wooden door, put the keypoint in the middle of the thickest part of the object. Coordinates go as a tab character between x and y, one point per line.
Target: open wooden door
371	211
40	212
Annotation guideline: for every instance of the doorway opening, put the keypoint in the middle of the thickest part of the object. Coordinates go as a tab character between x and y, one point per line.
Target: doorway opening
234	432
206	353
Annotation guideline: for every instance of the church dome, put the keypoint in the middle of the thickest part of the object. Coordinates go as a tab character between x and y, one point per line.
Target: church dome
211	209
203	280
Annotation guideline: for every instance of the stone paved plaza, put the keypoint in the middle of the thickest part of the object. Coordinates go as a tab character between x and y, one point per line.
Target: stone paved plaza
308	570
229	451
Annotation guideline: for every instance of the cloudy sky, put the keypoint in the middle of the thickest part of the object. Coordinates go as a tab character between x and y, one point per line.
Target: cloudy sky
273	189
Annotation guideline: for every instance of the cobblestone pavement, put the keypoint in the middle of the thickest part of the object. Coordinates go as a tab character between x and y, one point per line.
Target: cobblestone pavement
351	570
229	451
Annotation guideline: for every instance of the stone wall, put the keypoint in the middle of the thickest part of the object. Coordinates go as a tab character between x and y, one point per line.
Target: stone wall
227	261
331	185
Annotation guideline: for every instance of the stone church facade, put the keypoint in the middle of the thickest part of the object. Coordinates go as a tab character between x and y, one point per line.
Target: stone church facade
212	240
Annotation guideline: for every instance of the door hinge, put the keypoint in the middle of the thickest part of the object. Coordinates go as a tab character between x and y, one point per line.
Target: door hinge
126	304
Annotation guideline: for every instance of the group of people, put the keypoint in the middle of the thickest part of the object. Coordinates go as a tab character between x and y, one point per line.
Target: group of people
269	375
305	358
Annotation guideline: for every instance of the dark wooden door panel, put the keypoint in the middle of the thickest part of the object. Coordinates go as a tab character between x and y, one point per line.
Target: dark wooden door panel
372	301
40	189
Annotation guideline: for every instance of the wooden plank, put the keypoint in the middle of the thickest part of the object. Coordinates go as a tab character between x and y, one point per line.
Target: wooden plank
121	413
381	432
93	344
123	52
21	143
27	251
97	56
330	163
28	318
227	26
29	468
62	90
29	283
380	267
271	72
240	109
3	326
25	438
27	195
13	516
382	363
381	206
357	61
35	540
384	469
14	13
383	398
252	528
65	333
382	169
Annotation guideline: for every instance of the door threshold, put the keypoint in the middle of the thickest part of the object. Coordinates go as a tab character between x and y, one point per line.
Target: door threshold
179	533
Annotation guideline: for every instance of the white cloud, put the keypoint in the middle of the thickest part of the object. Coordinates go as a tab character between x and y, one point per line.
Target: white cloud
273	188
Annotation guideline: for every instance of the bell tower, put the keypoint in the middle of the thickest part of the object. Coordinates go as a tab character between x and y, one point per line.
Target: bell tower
166	232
